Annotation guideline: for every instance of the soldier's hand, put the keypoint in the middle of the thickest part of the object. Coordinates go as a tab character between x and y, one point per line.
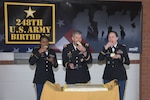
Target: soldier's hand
71	65
116	56
43	49
109	44
50	59
81	48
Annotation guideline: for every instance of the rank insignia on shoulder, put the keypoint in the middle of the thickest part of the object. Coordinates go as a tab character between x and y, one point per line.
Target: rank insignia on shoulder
123	45
86	44
65	46
36	47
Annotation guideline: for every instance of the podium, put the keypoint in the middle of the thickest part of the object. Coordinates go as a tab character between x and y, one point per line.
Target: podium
54	92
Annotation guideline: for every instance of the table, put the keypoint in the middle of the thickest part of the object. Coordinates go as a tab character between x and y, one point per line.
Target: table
54	92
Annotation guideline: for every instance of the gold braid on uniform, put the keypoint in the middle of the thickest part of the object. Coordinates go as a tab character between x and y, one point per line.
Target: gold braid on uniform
87	58
66	64
34	55
102	52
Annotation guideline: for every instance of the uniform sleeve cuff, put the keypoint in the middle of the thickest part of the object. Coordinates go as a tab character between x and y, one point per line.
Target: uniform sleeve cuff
122	59
67	64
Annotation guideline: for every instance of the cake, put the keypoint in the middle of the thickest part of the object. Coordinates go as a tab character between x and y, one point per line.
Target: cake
84	87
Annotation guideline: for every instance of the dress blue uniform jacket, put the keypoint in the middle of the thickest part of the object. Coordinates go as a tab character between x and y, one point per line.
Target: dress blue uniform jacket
81	73
43	70
115	67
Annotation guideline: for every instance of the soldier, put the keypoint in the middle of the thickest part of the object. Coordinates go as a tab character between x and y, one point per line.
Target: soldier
116	56
45	59
75	58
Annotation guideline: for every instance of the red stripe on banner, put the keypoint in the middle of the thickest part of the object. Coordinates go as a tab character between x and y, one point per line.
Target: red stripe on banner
55	48
68	35
91	50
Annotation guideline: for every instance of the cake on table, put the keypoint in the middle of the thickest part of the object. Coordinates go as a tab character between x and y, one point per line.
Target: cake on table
84	87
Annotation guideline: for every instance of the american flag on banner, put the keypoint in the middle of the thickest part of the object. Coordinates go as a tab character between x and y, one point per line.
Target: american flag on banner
94	20
64	28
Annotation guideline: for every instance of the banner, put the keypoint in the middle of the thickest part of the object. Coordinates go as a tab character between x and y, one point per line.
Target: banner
24	23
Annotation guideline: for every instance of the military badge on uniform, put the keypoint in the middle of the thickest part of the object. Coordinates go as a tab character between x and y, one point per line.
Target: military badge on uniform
69	54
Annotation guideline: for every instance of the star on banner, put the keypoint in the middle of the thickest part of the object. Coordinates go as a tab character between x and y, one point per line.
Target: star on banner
16	50
29	50
60	22
30	12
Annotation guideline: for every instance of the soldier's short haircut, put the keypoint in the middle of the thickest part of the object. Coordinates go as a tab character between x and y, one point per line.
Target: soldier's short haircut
76	32
114	33
44	37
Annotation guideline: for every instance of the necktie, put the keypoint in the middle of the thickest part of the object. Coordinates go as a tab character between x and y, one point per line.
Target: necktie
46	52
113	49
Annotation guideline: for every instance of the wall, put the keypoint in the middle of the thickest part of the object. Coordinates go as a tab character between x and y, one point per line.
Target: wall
16	79
145	56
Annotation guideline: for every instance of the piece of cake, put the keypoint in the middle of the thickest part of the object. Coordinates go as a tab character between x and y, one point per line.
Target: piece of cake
84	87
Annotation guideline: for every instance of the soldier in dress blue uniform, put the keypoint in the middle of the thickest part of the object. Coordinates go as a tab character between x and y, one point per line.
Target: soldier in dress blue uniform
116	56
75	58
45	59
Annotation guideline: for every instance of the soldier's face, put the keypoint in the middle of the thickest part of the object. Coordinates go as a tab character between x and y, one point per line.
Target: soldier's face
112	38
44	42
77	38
